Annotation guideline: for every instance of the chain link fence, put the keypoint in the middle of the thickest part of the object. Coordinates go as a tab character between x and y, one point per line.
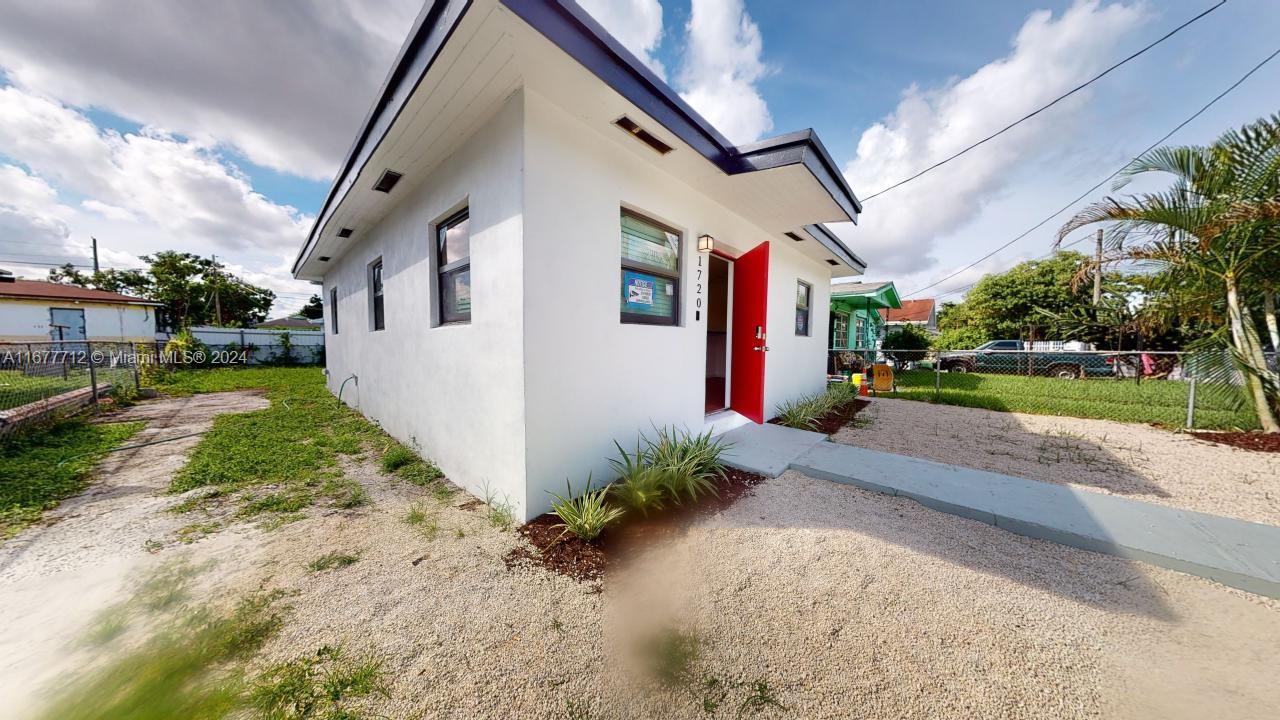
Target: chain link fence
41	378
1165	388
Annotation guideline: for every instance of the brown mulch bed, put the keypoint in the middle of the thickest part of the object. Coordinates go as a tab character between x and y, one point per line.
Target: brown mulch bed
830	423
588	561
1257	441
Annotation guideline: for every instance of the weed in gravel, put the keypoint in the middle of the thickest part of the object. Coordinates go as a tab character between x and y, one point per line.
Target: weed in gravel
443	491
333	560
761	696
319	686
577	710
499	513
188	534
424	520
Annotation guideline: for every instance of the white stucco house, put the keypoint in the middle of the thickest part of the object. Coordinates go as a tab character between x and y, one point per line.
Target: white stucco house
36	311
535	247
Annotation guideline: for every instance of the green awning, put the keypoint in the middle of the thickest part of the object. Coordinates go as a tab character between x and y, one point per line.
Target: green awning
867	296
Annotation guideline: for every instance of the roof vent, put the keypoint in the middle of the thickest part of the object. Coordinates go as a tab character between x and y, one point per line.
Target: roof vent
832	262
323	258
6	276
387	181
344	233
642	135
794	236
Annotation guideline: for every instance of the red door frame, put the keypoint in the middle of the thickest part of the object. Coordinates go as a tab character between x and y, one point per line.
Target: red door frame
748	346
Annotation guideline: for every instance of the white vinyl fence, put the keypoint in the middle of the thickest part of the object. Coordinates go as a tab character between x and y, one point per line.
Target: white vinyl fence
262	346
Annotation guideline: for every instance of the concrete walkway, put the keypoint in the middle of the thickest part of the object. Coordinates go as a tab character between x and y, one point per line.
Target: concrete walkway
1241	554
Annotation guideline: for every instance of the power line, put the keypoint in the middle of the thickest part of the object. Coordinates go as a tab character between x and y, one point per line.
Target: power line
1104	180
1042	108
43	264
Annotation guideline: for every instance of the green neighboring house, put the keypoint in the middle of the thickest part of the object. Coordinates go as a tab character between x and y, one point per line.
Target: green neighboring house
856	322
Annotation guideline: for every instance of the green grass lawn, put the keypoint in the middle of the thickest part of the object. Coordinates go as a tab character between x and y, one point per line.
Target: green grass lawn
1152	401
18	389
42	465
281	459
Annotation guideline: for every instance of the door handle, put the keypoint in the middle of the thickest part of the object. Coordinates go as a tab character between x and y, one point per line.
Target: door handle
761	348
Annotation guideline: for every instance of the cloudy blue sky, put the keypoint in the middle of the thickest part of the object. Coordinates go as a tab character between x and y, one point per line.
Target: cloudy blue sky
216	127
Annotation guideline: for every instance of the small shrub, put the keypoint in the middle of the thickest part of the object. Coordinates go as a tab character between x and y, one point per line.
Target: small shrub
586	515
318	686
798	414
689	460
333	560
639	487
396	457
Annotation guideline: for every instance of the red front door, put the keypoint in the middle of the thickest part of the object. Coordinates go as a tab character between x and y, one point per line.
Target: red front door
750	292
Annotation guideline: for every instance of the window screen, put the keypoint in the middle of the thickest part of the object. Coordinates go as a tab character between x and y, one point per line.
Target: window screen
803	294
453	260
650	272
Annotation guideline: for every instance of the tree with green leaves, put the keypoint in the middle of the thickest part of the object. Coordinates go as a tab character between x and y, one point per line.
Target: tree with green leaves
313	310
1005	306
907	343
193	290
1210	241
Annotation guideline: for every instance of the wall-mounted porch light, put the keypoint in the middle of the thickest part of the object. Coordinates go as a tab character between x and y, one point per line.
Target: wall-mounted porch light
706	243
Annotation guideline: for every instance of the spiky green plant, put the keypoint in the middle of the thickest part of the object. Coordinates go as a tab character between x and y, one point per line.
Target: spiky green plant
586	515
799	413
689	460
639	487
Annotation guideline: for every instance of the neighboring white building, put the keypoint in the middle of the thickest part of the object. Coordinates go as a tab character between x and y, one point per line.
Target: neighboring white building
33	311
510	254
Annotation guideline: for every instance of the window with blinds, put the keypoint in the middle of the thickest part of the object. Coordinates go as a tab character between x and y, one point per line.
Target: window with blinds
650	271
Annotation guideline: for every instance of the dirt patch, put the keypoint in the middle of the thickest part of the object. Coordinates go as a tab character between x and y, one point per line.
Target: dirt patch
1257	441
576	558
55	576
1136	461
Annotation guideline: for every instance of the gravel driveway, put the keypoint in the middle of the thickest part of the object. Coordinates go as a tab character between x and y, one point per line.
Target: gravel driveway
1136	461
829	601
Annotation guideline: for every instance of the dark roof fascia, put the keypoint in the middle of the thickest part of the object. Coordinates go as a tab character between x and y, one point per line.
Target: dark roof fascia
828	239
577	34
802	147
431	30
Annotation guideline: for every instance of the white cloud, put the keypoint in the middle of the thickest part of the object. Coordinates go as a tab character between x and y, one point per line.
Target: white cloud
637	24
285	83
180	186
723	62
896	235
142	192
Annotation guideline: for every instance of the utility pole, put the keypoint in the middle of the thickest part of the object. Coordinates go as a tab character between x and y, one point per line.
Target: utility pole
95	254
217	286
1097	272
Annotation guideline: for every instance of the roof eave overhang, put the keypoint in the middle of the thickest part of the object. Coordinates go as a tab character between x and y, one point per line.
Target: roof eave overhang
97	301
828	240
577	34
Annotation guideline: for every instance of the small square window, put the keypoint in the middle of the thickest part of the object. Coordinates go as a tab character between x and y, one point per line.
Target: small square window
453	267
650	272
804	293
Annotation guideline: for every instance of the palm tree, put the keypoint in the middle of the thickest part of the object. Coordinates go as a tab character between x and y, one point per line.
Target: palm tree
1213	237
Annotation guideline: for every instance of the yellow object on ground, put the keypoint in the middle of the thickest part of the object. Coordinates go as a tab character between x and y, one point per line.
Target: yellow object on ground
855	378
882	378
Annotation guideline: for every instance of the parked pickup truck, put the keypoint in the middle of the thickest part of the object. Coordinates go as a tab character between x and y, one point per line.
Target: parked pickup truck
1007	356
